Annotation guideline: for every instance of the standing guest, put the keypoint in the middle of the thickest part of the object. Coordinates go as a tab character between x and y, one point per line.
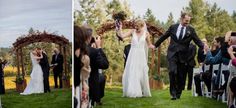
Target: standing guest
98	60
102	78
2	86
57	61
181	35
190	65
81	68
201	55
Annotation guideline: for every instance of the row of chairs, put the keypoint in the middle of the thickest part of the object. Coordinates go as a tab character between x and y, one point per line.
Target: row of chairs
205	91
216	67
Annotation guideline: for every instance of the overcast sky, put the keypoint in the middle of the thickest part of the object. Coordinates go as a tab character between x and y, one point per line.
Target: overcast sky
17	16
162	8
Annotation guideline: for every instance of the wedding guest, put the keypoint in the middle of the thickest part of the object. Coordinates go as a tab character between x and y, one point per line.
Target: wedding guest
190	65
221	57
57	61
102	78
201	55
206	77
98	60
81	67
2	85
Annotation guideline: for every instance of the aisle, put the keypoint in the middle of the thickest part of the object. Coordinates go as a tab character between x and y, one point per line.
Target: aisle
159	99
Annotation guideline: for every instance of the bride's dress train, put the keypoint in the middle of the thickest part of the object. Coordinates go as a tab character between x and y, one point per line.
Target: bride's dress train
36	79
135	78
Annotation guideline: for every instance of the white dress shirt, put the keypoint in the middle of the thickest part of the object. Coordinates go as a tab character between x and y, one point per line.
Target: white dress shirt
178	31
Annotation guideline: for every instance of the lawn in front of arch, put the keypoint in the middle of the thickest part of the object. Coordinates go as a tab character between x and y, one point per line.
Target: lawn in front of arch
160	99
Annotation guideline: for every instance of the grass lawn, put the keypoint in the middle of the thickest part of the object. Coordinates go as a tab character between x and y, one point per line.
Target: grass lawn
160	99
58	98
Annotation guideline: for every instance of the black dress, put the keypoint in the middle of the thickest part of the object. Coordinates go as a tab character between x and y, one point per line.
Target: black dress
2	87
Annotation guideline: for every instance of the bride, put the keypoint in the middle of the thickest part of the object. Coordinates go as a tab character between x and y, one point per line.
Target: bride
36	82
135	77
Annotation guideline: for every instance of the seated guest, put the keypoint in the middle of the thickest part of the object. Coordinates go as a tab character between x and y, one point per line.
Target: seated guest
221	57
207	76
201	55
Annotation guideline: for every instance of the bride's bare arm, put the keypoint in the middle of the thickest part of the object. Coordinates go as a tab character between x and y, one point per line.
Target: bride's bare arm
150	45
124	35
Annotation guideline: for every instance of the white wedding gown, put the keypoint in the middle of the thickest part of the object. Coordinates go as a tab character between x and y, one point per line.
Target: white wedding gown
135	78
36	82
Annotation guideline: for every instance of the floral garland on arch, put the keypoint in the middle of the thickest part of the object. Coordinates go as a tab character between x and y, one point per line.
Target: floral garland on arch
128	24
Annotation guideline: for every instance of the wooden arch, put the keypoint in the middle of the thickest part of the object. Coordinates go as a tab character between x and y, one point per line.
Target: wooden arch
154	31
39	37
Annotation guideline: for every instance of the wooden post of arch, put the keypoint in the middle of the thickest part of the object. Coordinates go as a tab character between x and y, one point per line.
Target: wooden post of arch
18	60
32	38
22	63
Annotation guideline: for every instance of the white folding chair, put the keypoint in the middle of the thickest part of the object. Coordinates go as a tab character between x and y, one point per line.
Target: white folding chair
222	81
195	72
203	85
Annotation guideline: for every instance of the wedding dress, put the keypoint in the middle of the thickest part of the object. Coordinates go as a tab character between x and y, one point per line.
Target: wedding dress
135	78
36	82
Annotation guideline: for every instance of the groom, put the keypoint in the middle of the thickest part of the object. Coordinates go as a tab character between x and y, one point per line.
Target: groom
181	35
45	67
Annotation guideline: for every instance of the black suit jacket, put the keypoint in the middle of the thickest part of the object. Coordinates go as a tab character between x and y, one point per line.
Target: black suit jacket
45	65
179	46
77	68
98	60
59	67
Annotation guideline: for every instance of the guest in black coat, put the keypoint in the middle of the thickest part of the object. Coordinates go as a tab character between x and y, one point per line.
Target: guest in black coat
57	61
190	65
2	85
98	60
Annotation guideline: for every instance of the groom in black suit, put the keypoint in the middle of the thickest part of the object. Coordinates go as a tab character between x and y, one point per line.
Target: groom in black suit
45	67
181	35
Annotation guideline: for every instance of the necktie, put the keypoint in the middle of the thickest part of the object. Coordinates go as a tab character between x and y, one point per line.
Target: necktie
181	33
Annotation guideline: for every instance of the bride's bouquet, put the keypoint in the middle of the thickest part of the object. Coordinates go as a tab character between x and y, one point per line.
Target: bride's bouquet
119	17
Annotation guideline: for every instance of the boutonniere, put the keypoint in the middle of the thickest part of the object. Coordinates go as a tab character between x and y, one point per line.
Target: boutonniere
188	33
